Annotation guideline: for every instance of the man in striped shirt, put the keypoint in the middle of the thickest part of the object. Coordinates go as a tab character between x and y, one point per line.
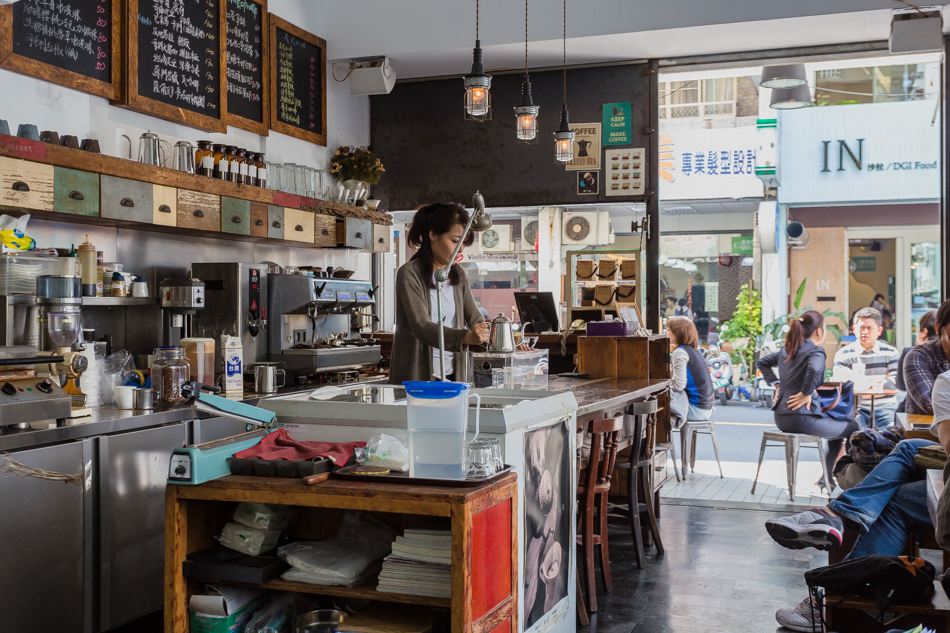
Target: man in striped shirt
878	359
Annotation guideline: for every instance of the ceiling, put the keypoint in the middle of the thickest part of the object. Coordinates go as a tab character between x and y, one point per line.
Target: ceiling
428	38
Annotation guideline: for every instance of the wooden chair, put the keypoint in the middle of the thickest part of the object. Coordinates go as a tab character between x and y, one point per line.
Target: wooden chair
593	489
640	495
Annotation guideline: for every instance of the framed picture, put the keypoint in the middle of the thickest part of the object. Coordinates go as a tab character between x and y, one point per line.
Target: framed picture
588	182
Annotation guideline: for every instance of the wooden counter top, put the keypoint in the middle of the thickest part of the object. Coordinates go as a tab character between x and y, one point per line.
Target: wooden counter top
600	394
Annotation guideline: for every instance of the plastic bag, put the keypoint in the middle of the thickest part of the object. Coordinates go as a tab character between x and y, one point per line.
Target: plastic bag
277	616
388	452
264	516
115	370
350	557
248	540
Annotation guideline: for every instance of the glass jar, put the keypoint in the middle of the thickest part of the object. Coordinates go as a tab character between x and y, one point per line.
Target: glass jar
233	165
204	159
262	171
240	159
220	162
251	169
170	371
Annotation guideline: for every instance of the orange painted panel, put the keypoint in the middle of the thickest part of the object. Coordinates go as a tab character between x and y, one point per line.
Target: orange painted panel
504	627
491	559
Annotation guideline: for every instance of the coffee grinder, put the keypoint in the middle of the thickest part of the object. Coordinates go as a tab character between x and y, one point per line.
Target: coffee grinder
59	317
180	299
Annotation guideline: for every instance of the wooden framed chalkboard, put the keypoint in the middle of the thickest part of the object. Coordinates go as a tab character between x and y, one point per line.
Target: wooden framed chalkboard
75	43
248	70
298	82
176	61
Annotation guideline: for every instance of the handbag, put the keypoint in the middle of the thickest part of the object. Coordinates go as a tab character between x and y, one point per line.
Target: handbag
837	400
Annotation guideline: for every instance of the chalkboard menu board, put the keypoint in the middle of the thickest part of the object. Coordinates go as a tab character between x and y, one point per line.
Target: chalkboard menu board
68	42
247	68
298	82
176	60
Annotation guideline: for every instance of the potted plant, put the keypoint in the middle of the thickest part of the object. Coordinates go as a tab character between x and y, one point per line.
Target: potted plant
357	168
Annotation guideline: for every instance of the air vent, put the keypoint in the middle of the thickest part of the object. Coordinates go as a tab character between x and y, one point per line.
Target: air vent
681	209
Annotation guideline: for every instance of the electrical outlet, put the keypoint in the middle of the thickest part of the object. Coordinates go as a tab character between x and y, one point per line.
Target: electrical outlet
300	337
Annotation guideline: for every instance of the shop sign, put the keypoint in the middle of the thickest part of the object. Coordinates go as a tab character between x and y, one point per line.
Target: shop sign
617	128
709	164
499	257
741	245
689	245
865	264
860	153
586	147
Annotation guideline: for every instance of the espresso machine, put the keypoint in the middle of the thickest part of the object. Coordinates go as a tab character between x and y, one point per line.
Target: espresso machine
180	298
235	304
313	328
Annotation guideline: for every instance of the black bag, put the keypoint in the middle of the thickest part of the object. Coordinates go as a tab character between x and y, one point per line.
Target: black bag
837	400
889	579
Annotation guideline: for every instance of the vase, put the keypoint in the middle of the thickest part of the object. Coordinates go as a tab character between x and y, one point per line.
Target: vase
354	190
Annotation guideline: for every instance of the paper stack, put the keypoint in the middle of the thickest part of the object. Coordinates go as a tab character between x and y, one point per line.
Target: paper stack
420	563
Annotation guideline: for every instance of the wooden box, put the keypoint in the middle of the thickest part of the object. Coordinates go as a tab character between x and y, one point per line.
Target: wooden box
197	210
259	219
26	185
235	216
356	233
275	222
381	238
164	205
75	192
324	230
124	199
637	357
298	225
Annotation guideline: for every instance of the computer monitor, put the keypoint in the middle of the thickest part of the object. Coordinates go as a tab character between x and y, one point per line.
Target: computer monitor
537	311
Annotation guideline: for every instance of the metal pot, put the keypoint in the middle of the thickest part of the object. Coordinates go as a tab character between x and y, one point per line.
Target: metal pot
321	621
501	338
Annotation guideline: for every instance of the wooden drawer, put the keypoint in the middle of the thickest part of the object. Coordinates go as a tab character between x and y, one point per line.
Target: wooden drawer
275	222
324	230
164	205
259	219
660	471
235	216
75	192
298	225
26	185
357	234
381	238
197	210
124	199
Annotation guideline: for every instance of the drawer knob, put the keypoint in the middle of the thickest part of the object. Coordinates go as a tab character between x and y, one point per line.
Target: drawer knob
164	209
236	219
275	224
127	202
19	185
381	240
198	213
299	227
324	232
358	235
258	222
76	195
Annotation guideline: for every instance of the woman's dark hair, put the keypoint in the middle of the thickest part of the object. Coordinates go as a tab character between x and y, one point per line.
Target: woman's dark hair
438	218
878	296
942	320
927	323
799	330
682	302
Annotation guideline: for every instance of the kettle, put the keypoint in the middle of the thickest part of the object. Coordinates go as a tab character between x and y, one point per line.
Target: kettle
501	338
151	151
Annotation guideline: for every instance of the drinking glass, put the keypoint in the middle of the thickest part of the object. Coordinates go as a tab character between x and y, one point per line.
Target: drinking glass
502	378
287	183
318	188
273	176
479	460
301	176
335	191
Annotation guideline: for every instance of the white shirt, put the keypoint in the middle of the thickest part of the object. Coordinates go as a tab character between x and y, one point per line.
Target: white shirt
448	319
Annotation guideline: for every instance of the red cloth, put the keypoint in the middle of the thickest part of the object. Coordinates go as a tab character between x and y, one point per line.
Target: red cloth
279	445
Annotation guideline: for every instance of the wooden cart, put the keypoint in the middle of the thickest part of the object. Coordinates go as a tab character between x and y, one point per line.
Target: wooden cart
484	524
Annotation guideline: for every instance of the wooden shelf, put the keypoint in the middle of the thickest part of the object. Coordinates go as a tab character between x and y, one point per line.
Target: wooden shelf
364	591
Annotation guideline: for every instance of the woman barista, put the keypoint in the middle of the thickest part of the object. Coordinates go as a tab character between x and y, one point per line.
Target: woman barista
435	232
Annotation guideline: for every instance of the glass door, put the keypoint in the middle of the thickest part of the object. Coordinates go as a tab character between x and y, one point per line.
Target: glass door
924	280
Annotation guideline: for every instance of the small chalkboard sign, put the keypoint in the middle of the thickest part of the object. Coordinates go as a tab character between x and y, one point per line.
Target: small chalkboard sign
176	61
67	42
247	67
298	82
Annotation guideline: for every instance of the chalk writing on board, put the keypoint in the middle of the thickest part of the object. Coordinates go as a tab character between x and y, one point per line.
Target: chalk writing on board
298	82
244	65
74	35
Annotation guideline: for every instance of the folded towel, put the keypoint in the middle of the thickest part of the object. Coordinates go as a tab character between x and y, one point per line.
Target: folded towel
279	445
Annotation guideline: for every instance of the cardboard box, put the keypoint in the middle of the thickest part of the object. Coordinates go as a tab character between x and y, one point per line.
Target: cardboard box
232	362
224	609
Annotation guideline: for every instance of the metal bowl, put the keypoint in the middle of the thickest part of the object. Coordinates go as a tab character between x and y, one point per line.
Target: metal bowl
320	621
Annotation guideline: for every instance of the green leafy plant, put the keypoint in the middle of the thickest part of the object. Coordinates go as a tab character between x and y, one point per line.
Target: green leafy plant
744	328
356	163
776	330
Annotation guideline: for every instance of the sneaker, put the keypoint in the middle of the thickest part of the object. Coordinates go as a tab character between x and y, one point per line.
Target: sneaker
813	528
803	618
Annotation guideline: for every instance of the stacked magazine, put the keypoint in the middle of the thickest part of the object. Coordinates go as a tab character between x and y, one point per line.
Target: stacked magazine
420	563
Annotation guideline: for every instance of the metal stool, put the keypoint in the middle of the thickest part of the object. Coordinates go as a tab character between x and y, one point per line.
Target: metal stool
688	432
792	442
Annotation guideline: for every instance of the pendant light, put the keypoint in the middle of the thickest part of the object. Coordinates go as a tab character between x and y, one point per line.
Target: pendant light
783	76
790	98
526	114
477	84
564	137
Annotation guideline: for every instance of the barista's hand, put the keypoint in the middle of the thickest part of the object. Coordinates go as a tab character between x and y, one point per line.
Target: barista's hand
478	334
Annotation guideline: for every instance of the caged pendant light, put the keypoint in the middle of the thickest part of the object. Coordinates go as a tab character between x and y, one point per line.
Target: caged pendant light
564	137
477	84
526	114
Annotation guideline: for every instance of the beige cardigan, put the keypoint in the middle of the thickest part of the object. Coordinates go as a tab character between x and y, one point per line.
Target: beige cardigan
416	333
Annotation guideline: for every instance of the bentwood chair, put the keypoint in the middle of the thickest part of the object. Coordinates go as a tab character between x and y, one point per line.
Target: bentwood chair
593	488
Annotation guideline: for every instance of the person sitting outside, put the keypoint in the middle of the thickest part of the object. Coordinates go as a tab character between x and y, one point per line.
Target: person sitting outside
692	391
801	365
925	332
883	509
872	357
670	307
925	362
683	310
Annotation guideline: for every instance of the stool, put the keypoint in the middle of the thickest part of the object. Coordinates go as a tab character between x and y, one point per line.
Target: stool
792	442
688	432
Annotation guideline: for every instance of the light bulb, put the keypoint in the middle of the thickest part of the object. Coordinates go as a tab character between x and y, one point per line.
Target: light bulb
476	101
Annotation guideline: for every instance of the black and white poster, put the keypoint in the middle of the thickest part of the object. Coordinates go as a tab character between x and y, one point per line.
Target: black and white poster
548	512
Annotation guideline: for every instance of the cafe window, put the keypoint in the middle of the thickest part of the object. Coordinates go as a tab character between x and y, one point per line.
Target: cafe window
872	84
698	98
494	283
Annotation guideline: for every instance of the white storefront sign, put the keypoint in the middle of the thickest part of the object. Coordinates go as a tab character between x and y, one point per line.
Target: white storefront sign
874	152
709	164
689	245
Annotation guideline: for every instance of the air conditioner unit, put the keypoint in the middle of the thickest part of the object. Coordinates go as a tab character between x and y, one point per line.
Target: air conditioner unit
588	228
371	76
497	239
529	233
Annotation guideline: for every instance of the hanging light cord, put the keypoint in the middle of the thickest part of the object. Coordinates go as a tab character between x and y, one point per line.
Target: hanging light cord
564	59
476	20
525	37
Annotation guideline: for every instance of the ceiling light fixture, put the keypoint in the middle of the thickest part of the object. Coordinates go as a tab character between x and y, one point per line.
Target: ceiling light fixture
564	137
783	76
477	84
526	114
791	98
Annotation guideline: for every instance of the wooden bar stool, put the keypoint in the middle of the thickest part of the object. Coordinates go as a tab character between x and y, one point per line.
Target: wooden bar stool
593	488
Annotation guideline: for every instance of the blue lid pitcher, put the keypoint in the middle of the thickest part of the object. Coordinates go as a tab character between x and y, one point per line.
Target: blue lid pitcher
438	419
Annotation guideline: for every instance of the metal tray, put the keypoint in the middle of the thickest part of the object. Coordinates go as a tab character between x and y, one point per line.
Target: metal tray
404	478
